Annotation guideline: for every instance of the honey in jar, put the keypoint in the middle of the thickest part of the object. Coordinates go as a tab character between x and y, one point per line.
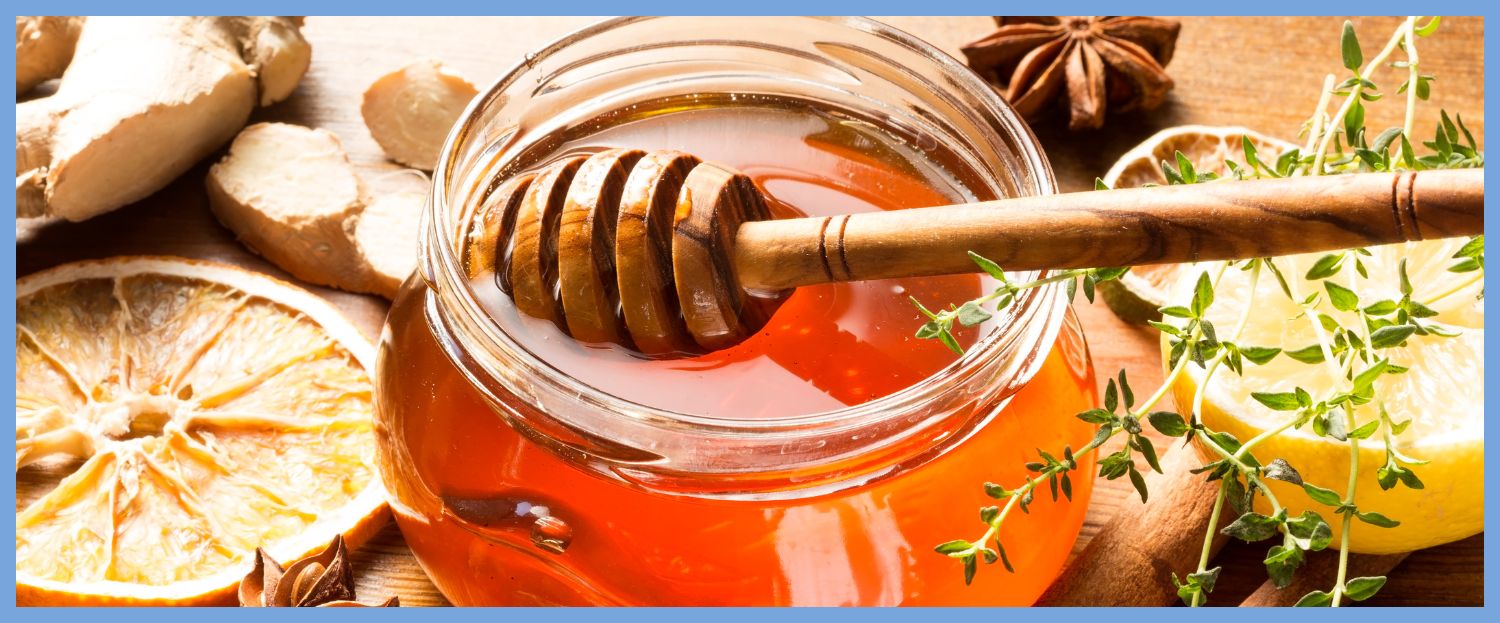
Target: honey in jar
816	463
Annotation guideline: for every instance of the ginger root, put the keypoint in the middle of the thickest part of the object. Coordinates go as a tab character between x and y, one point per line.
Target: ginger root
44	46
291	195
142	100
409	111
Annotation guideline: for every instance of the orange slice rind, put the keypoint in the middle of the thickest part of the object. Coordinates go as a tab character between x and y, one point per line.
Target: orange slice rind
1138	295
171	416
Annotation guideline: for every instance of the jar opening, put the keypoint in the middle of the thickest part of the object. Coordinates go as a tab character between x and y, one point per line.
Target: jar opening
888	77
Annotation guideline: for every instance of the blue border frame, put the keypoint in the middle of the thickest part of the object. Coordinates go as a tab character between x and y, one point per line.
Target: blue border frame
699	7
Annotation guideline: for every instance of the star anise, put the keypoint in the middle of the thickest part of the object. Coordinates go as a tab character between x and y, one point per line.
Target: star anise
1095	62
323	579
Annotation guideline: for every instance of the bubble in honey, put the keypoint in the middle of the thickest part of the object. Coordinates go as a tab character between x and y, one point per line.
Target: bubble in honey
551	534
502	518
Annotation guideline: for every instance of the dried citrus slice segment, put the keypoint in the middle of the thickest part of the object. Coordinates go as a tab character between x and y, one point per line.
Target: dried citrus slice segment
1137	295
173	415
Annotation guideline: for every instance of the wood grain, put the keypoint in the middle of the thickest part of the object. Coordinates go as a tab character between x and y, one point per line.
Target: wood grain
533	260
1162	537
586	246
1262	73
1127	227
717	310
648	300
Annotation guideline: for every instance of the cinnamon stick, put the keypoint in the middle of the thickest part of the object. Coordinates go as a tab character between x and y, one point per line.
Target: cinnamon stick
1319	574
1130	561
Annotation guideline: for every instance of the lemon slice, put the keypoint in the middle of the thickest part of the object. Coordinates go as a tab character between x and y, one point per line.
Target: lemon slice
1442	394
173	415
1140	293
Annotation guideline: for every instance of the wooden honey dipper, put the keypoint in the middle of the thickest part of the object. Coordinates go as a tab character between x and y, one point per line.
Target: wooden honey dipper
667	254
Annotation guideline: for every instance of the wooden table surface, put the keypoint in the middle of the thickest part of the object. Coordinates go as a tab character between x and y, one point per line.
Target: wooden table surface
1263	73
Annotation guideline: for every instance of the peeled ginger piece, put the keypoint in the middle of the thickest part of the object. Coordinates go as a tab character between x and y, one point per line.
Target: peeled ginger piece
290	194
409	111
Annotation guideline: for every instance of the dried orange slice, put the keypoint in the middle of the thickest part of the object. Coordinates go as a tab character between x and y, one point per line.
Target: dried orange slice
1140	293
173	415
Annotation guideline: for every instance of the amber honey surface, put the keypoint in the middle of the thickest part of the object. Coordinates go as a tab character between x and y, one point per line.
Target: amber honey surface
496	518
828	346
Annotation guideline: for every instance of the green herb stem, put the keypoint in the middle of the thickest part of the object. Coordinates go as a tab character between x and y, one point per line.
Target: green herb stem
1319	120
1166	386
1348	516
1473	278
1267	434
1312	318
1338	588
1208	542
1031	484
1213	364
1409	34
1198	397
1252	475
1094	444
1062	276
1059	277
1354	91
1239	328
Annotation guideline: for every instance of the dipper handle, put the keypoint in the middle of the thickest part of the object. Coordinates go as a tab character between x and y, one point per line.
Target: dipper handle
1127	227
669	255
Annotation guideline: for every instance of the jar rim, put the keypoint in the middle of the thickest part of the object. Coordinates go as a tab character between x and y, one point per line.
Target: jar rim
441	264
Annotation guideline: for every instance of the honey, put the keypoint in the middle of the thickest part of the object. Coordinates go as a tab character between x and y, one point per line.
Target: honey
503	512
828	346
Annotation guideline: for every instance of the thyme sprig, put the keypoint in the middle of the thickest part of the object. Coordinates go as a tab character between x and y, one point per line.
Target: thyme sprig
1355	350
941	324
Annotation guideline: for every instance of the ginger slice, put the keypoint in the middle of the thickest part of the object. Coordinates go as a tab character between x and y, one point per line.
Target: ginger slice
291	195
409	111
385	227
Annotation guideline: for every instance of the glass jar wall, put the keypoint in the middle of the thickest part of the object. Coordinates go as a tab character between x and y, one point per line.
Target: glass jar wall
819	462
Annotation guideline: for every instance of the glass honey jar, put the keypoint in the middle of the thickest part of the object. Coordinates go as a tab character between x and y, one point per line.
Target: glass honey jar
817	463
